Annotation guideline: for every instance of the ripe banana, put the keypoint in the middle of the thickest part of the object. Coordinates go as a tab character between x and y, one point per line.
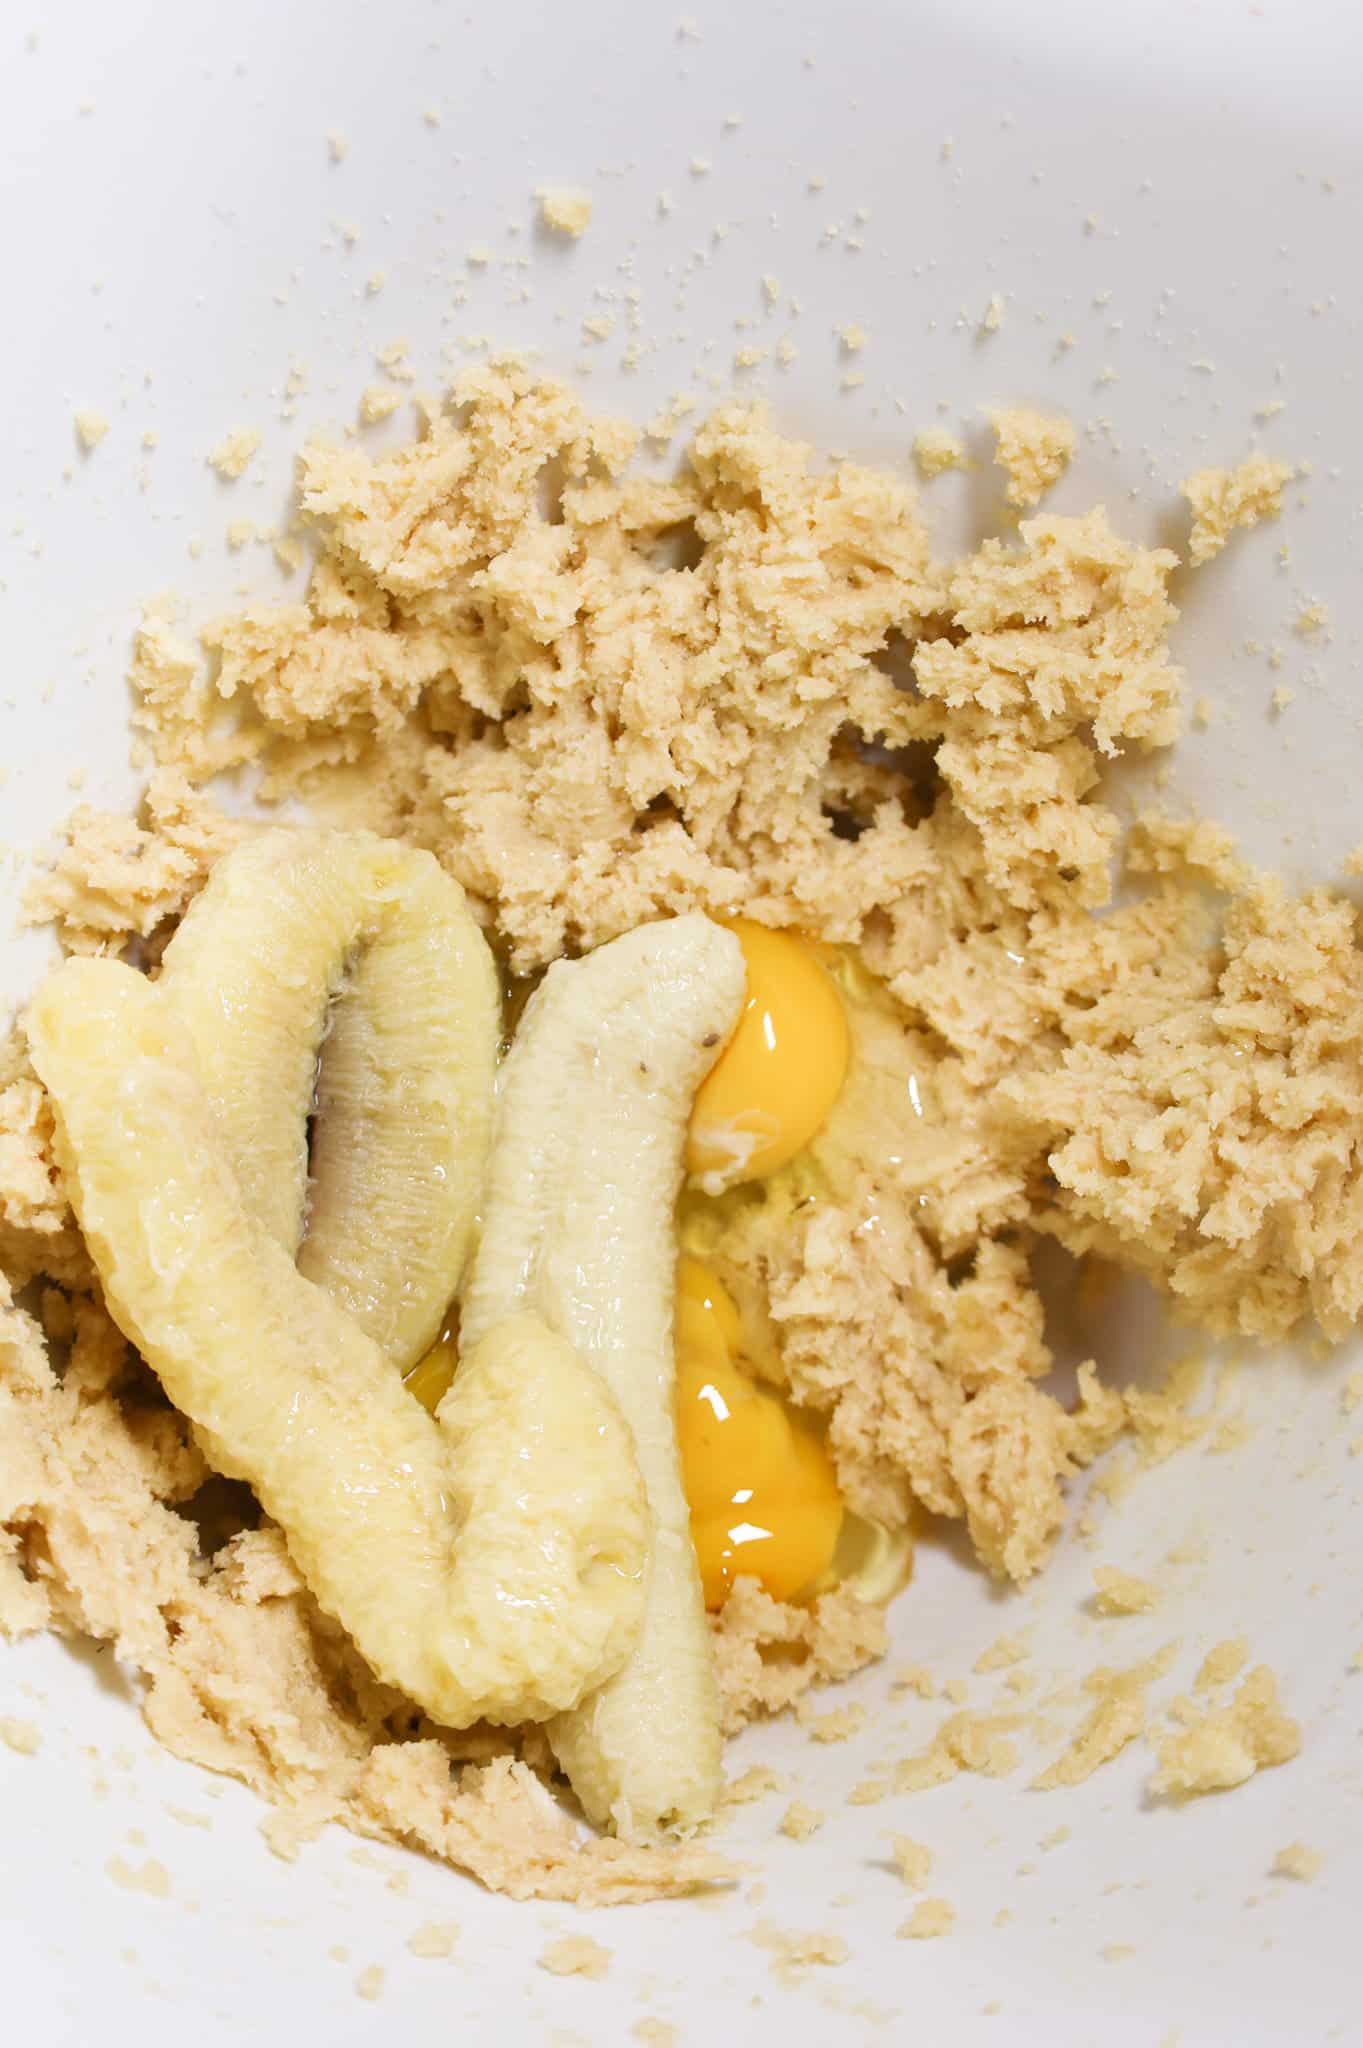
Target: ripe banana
579	1228
490	1562
344	963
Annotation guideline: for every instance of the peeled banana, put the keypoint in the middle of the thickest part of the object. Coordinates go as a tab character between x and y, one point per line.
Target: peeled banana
344	963
579	1228
490	1562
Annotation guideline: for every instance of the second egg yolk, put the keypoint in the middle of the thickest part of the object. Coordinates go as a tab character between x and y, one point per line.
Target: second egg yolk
763	1496
773	1085
431	1378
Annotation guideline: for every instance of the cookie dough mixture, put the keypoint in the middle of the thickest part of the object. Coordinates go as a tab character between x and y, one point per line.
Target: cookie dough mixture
601	698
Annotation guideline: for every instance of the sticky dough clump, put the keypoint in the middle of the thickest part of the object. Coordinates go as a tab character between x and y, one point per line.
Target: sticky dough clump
602	697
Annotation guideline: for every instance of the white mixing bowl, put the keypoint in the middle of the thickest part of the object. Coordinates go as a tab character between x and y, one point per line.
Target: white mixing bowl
1167	199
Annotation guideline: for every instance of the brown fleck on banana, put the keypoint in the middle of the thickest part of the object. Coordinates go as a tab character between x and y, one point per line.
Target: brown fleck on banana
344	966
490	1562
579	1227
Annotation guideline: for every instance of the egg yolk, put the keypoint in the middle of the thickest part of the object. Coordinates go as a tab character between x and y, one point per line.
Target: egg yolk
431	1378
773	1085
764	1500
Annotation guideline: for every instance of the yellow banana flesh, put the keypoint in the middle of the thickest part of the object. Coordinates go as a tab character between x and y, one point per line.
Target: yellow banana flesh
490	1562
348	965
579	1227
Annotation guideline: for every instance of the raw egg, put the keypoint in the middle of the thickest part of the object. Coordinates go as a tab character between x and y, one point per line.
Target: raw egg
773	1085
431	1378
763	1496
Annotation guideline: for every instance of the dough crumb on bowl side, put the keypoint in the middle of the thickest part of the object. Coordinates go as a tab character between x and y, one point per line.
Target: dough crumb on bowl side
936	450
1298	1860
800	1822
1224	499
565	208
1033	449
1120	1592
1117	1717
1217	1750
576	1955
929	1918
22	1736
233	455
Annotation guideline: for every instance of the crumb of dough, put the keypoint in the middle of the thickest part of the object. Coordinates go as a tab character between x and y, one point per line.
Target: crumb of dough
1033	449
1198	1196
233	453
870	1792
338	145
1222	499
369	1983
1226	1746
1122	1592
1118	1951
800	1821
992	318
768	1653
1164	1419
150	1877
1116	1718
1298	1860
915	1678
1002	1655
655	2033
434	1939
25	1738
380	402
754	1783
185	1817
913	1860
666	422
91	426
794	1953
852	336
935	450
838	1724
1313	622
1222	1663
576	1955
929	1918
1351	1393
964	1742
113	878
565	208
